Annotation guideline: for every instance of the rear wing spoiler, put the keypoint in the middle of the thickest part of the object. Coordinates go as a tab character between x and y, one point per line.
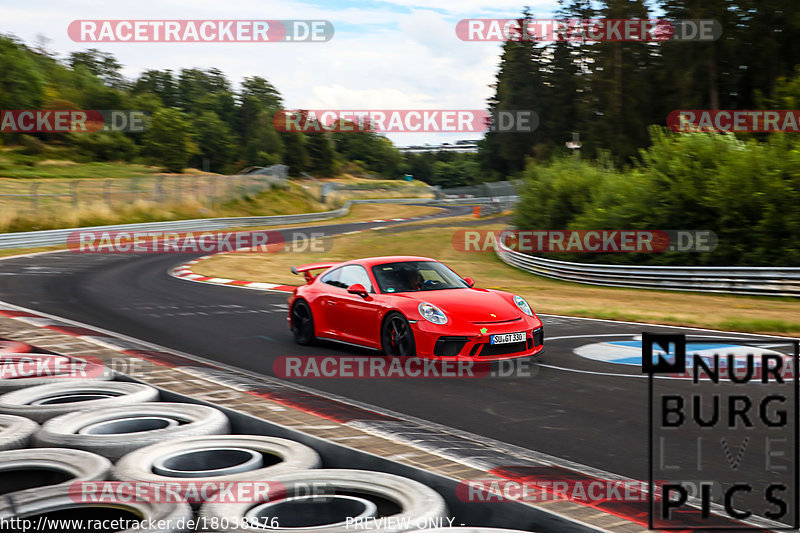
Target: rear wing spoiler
306	269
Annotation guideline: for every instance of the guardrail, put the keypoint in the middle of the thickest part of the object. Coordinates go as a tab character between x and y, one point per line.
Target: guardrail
761	281
33	239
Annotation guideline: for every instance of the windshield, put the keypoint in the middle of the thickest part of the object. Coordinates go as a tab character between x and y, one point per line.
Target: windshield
411	276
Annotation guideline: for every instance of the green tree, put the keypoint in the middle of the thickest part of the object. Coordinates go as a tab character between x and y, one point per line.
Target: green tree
455	174
375	151
561	114
104	146
620	87
91	93
295	153
221	104
742	190
320	154
700	75
21	84
261	139
419	165
262	91
168	139
256	96
787	93
194	84
101	64
214	141
553	195
519	86
161	83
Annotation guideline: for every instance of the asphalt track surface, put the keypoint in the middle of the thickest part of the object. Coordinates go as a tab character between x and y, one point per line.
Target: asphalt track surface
585	411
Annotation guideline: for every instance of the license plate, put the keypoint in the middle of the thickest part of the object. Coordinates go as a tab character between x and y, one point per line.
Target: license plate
506	338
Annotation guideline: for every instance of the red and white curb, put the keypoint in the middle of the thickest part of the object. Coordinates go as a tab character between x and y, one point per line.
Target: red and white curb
185	271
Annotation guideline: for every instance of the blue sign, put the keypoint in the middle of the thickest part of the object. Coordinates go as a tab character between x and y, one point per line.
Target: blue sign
630	352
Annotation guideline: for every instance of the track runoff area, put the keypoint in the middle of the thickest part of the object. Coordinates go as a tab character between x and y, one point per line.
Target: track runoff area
705	422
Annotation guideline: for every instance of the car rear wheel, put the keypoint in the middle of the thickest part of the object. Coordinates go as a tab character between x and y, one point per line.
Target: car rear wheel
397	338
302	323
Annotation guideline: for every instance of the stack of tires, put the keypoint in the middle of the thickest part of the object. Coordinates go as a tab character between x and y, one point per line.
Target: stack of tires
60	439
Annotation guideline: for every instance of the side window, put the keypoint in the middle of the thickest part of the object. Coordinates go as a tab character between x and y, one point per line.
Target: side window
352	274
332	278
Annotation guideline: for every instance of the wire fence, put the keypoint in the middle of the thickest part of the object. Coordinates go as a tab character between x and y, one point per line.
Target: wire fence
32	239
34	197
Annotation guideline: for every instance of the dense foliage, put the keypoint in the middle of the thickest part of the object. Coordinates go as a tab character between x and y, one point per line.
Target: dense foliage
610	93
630	173
633	174
196	119
746	191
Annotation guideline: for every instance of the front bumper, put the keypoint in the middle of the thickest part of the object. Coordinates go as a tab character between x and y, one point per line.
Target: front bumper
433	342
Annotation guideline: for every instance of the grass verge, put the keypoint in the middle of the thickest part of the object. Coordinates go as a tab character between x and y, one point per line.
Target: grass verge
358	213
725	312
119	200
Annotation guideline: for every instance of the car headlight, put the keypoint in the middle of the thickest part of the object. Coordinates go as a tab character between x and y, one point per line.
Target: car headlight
523	305
431	313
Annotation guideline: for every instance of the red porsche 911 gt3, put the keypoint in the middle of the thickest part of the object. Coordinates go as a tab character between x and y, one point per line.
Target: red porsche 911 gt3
409	306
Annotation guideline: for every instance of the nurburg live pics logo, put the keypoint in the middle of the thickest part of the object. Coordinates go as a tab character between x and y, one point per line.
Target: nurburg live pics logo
735	423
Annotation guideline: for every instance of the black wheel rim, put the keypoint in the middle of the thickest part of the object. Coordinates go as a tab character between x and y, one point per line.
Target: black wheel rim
301	320
399	337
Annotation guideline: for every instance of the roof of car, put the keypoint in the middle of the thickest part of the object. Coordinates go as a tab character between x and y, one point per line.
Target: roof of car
372	261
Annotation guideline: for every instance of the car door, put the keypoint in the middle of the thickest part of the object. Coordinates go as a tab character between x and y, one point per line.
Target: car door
355	318
325	310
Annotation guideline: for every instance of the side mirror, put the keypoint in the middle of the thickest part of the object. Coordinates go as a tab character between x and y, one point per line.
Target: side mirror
469	281
359	289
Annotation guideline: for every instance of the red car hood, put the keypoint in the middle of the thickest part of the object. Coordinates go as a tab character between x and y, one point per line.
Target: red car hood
473	305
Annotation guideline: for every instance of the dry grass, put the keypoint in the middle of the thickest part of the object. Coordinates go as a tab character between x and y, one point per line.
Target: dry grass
738	313
129	200
358	213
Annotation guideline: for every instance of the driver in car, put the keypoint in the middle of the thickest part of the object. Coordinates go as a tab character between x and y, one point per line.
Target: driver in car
414	279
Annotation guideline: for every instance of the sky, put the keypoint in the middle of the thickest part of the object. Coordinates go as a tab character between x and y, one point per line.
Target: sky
399	54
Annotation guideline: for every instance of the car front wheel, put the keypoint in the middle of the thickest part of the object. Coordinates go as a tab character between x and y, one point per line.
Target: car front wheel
397	338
